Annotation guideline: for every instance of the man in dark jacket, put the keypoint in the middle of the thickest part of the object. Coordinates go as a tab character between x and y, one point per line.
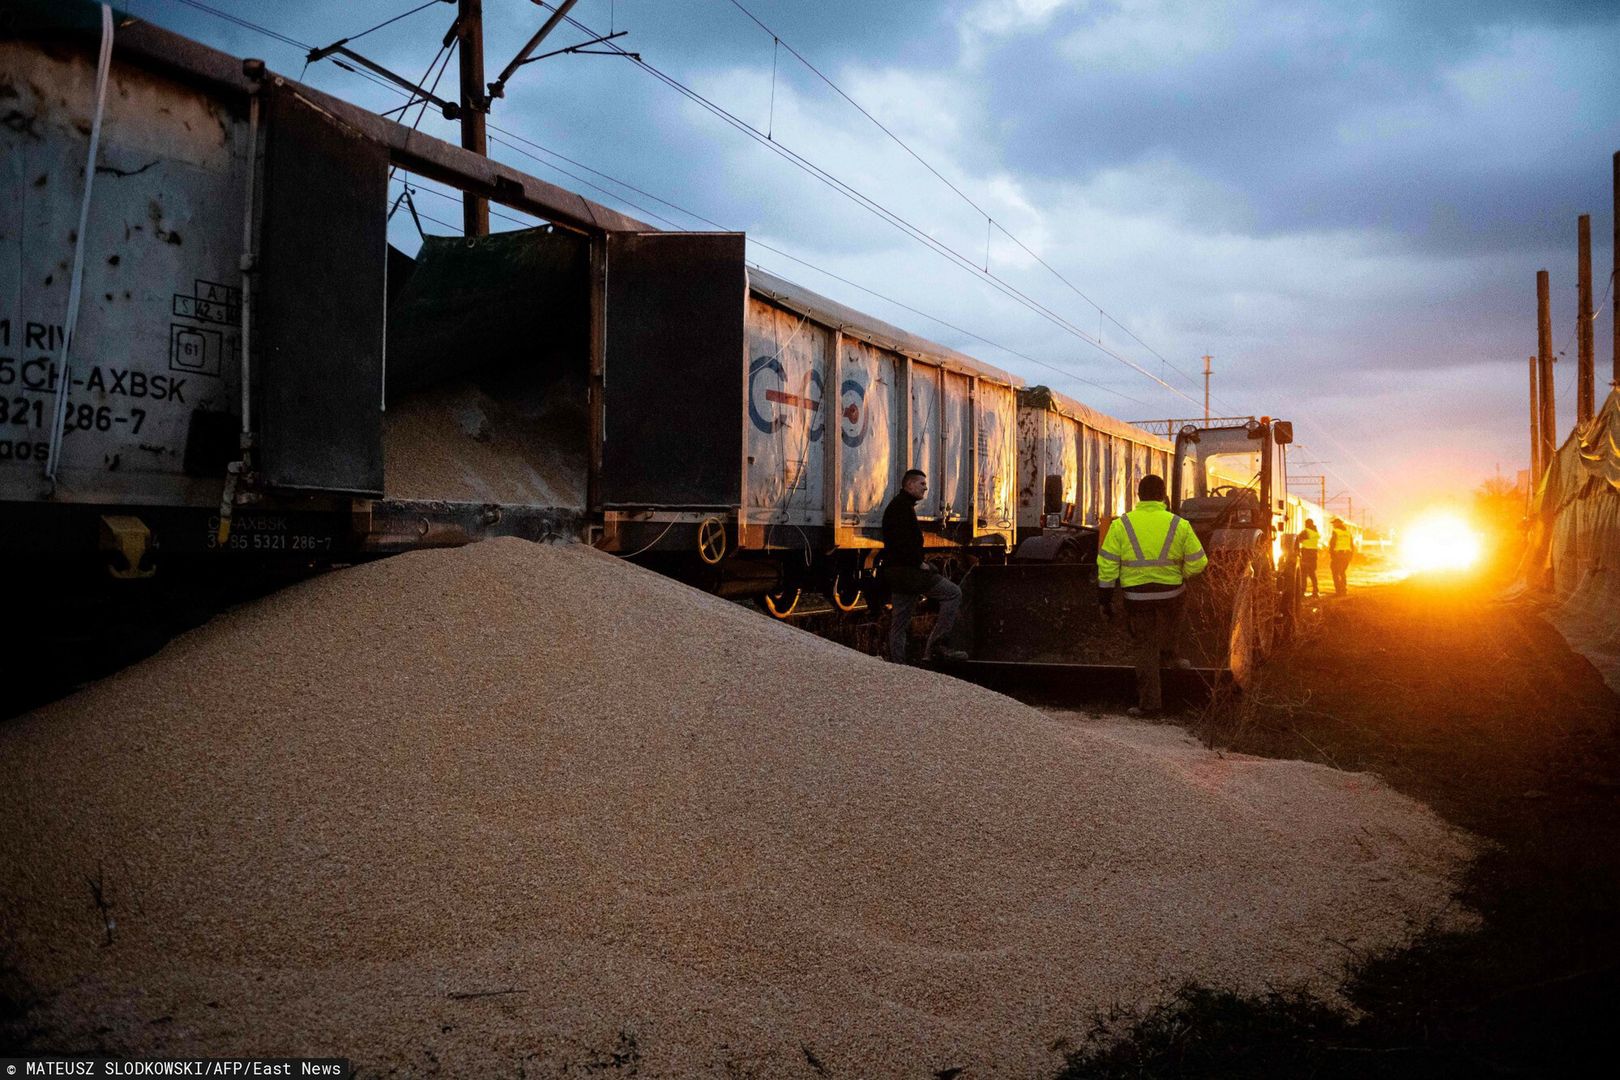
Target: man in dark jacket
910	579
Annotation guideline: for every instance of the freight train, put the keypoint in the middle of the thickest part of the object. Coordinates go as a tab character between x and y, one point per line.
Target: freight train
210	354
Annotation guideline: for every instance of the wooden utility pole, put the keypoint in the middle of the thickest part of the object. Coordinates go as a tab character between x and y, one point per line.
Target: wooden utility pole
470	32
1535	427
1207	359
1544	368
1587	385
1614	274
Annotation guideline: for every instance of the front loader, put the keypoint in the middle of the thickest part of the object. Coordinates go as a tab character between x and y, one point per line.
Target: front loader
1032	622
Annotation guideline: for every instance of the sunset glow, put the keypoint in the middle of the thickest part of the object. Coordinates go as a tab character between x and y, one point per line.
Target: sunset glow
1440	541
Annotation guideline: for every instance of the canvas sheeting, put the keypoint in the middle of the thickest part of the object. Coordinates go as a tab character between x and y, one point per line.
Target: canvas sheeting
1575	542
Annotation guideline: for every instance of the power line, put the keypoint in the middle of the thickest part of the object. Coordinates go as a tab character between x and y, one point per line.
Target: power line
935	318
594	187
827	178
445	52
440	221
396	18
882	212
416	183
239	21
776	251
786	255
944	180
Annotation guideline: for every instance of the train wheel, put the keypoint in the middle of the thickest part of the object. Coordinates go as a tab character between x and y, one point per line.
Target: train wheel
847	593
780	604
712	540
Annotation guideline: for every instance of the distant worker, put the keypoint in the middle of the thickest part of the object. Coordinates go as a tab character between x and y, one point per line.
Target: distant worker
1310	542
910	579
1149	554
1341	549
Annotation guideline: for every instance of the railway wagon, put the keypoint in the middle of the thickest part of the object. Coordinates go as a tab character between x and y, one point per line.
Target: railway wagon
1077	468
209	349
195	287
756	430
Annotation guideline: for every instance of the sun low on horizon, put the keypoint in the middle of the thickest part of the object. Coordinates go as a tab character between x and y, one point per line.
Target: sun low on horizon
1439	541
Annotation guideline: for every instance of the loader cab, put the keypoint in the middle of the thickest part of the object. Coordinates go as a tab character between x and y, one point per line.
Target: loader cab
1232	479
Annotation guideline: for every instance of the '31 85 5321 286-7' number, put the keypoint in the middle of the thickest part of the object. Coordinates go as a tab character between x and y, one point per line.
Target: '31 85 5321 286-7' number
36	413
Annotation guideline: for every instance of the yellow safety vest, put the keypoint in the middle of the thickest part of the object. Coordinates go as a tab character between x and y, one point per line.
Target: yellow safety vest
1149	546
1342	541
1310	540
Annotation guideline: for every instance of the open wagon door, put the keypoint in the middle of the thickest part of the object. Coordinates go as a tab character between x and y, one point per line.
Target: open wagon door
321	299
674	365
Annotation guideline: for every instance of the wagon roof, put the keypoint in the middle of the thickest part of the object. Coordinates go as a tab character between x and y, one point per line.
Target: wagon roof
1044	397
858	324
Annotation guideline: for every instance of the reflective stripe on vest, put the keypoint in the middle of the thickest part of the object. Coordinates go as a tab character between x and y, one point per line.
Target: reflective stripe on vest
1122	561
1136	545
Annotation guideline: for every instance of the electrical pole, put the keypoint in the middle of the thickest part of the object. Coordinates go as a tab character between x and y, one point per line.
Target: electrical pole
1544	367
470	32
1614	274
1207	359
1587	386
1535	428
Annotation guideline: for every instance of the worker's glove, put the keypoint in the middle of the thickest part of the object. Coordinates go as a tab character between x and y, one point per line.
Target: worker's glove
1105	603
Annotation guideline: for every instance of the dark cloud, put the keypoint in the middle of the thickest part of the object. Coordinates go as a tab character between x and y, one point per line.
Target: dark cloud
1358	128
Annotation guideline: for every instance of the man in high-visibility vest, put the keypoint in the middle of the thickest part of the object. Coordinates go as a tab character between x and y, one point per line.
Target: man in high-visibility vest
1310	542
1341	549
1149	554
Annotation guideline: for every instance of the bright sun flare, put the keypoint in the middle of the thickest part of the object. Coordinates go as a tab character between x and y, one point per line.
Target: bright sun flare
1439	541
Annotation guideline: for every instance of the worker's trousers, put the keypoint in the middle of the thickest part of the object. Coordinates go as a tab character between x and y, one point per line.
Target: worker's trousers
1307	572
1340	563
1152	624
936	587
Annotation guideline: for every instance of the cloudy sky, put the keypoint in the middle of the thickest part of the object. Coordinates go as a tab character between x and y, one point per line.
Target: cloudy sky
1344	203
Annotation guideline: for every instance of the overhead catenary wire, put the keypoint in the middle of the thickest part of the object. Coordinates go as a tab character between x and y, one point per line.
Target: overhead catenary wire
883	212
620	199
827	178
446	52
990	221
275	35
246	24
395	19
1068	374
831	181
992	224
1598	310
418	184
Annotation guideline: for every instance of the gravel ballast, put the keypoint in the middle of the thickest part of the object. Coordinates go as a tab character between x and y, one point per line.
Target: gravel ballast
521	809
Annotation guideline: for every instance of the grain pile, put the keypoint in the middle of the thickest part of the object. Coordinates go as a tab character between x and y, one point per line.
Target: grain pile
456	443
528	808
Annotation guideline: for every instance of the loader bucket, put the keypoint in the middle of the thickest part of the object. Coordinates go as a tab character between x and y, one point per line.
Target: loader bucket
1026	623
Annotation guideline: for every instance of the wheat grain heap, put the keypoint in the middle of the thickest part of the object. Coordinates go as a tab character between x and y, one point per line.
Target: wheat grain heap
523	808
